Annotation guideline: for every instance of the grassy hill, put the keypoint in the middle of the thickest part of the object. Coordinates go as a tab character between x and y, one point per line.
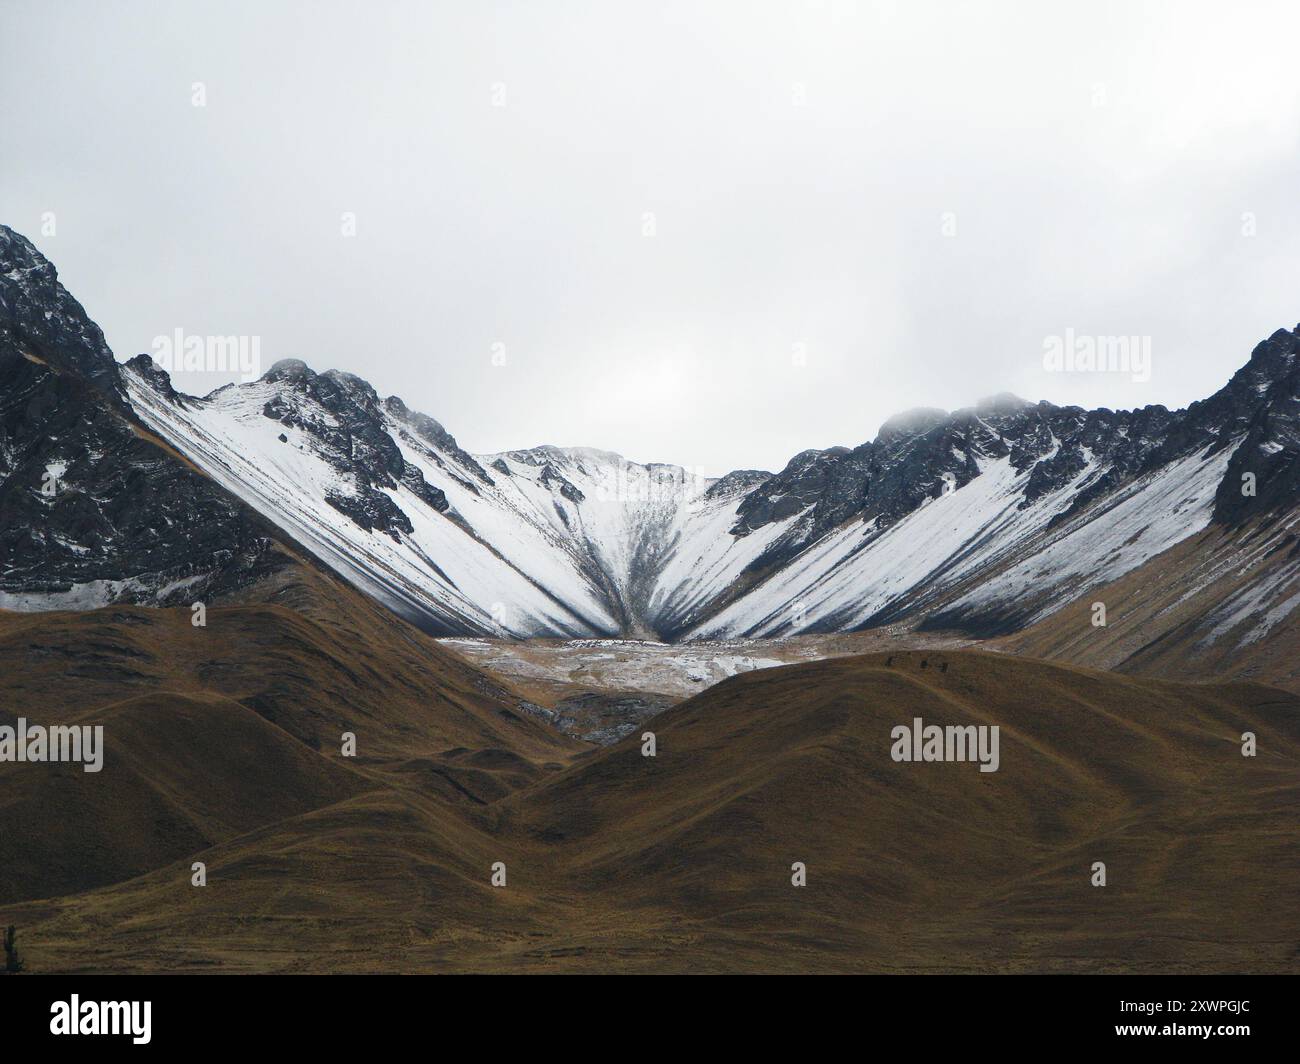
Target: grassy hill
682	862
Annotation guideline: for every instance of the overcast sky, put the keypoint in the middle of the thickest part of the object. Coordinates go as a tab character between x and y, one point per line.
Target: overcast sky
706	233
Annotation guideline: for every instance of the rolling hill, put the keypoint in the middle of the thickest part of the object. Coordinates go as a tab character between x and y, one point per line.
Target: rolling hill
211	731
682	862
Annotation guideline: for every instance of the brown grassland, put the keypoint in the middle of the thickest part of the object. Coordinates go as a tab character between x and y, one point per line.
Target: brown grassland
223	746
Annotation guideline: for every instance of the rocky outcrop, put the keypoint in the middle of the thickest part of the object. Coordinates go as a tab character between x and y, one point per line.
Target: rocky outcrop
918	455
93	510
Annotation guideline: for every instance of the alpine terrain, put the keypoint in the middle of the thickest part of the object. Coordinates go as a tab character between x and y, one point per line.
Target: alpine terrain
984	522
272	604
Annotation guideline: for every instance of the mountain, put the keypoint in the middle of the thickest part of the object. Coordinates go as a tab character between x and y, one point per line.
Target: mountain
1216	606
94	508
682	862
313	517
542	540
984	522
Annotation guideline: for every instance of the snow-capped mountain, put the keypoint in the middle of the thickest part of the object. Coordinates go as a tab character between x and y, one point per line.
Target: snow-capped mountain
987	519
990	518
547	540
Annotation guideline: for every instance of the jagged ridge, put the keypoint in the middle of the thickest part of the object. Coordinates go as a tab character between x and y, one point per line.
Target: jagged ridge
986	519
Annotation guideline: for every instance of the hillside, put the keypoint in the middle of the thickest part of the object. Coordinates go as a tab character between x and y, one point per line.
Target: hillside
1217	606
683	861
210	732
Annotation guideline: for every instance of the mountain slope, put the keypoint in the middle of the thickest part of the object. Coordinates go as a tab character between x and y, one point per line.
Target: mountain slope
182	772
542	541
982	521
213	732
682	862
1217	606
93	507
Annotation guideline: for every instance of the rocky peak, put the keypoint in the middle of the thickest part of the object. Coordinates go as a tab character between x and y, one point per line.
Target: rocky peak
432	433
1269	456
92	511
158	378
737	483
910	423
1004	403
342	412
289	369
917	453
38	318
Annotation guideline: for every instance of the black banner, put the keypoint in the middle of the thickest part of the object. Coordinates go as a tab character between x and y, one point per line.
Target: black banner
1235	1014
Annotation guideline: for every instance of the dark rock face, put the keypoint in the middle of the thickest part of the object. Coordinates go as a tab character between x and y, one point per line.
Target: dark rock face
372	510
829	481
1270	454
739	482
157	377
556	481
345	419
92	511
435	497
38	317
355	441
427	429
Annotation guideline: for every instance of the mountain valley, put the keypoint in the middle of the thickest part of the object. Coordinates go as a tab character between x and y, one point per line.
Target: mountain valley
394	697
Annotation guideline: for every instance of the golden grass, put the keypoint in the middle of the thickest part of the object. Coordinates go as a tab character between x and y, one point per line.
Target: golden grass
619	862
